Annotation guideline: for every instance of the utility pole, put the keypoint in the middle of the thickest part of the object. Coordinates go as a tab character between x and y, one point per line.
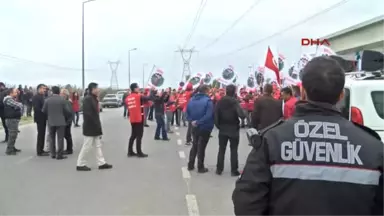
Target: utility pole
129	65
114	82
186	55
82	45
145	64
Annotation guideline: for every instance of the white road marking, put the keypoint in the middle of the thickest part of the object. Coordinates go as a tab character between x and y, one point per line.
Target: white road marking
176	128
178	133
23	160
193	209
179	142
182	154
185	173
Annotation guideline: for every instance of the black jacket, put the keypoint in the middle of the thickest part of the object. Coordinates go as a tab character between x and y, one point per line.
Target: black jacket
2	95
91	117
159	103
266	111
227	114
38	103
12	108
316	163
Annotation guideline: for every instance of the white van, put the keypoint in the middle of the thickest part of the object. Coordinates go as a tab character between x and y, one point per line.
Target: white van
363	102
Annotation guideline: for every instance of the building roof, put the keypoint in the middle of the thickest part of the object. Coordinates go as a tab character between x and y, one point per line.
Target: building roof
355	27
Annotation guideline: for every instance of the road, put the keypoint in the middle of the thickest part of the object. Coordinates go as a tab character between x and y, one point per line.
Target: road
157	185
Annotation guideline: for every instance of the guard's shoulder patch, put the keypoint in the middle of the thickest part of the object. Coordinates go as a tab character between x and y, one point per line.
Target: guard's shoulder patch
368	130
273	125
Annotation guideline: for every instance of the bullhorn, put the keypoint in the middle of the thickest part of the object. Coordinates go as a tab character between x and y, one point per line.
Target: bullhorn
370	61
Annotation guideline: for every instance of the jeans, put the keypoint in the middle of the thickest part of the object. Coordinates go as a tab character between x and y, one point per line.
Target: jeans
181	115
160	127
169	119
189	133
146	112
76	118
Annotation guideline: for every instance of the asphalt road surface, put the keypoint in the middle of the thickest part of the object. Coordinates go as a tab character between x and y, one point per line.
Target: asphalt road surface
157	185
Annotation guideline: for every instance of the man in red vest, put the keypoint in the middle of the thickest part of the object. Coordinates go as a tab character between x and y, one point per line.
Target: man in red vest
135	102
182	102
188	95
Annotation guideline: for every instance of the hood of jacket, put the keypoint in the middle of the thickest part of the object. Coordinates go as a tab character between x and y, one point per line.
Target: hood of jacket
7	98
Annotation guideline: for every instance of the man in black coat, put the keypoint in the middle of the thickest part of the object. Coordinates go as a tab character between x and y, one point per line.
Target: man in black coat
92	130
227	114
40	118
267	110
2	95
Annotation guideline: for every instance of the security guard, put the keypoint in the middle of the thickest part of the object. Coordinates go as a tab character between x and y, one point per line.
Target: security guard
134	102
317	162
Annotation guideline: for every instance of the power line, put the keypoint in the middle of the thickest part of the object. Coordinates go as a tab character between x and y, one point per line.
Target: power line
288	28
195	21
233	24
39	63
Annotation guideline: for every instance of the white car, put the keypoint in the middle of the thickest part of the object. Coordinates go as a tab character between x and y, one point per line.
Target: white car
111	100
363	102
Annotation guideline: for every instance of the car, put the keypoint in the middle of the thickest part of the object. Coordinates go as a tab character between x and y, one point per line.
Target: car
363	101
111	100
120	94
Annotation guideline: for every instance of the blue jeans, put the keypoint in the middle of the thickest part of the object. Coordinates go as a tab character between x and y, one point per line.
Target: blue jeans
160	126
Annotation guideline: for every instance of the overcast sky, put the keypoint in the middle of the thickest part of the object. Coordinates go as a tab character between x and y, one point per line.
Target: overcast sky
48	32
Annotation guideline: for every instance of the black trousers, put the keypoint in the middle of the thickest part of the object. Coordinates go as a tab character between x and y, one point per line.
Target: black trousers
137	134
68	138
234	146
175	116
5	128
60	131
41	129
199	144
150	115
29	109
125	114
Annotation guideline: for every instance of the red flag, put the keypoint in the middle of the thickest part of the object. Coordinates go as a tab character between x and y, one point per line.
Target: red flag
271	64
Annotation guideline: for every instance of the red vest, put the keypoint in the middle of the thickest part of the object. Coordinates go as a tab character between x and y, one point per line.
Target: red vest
188	95
251	104
172	107
182	100
133	102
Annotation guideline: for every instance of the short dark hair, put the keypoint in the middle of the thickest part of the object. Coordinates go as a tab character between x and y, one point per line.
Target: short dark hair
203	88
287	91
230	90
323	80
55	90
91	86
8	91
39	86
2	84
268	88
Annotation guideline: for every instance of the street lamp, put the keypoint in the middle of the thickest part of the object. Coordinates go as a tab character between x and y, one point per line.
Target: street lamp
144	65
82	45
129	65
